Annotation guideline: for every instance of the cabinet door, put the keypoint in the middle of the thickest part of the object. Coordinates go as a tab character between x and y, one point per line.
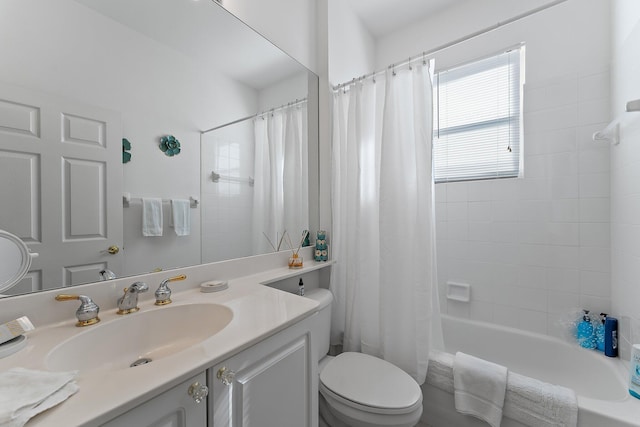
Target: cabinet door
267	385
173	408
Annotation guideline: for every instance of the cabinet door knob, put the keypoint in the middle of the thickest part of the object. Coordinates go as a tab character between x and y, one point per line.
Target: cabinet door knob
198	391
226	375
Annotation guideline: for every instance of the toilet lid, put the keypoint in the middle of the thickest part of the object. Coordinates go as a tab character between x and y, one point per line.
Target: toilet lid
370	381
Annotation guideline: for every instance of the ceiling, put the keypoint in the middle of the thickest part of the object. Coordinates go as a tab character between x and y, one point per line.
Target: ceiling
382	17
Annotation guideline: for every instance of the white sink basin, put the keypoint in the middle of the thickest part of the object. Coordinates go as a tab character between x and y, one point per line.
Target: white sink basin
152	334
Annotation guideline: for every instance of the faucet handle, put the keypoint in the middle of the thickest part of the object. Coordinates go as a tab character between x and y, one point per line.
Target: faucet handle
163	293
87	313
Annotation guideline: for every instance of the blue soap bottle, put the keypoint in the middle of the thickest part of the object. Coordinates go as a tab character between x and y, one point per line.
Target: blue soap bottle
600	332
611	337
585	335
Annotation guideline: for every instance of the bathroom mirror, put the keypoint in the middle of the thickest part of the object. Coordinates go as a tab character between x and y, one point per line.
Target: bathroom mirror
79	77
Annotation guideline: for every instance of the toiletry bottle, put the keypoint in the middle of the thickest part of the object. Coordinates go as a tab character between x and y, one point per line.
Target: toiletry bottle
599	331
585	334
611	337
301	288
634	372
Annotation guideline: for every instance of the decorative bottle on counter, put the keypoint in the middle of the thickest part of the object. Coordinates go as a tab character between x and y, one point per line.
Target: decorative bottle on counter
599	331
585	335
634	372
611	337
321	253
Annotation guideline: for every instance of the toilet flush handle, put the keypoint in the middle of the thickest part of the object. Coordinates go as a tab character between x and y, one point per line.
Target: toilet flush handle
226	375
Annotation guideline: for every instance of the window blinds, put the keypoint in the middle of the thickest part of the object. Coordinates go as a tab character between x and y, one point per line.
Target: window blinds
477	128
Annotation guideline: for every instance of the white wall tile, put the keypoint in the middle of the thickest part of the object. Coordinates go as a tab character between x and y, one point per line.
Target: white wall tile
507	232
595	210
564	233
596	234
564	256
481	311
593	111
594	86
458	230
480	231
530	276
594	185
565	210
561	140
533	189
479	211
593	161
479	190
563	164
441	193
504	211
595	259
457	192
595	283
562	302
563	280
457	211
565	187
533	321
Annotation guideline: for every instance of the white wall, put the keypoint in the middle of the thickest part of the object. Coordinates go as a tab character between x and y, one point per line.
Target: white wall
625	167
532	249
351	46
157	90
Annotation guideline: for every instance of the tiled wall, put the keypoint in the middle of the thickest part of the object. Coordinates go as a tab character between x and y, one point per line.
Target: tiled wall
535	249
625	172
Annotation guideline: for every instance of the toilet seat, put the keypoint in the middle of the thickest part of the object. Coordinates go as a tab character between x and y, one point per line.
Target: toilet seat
369	384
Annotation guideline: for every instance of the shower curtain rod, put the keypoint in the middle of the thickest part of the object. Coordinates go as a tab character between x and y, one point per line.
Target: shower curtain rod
452	43
282	107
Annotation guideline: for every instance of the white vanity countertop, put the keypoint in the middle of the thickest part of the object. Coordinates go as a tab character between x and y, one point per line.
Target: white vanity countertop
259	311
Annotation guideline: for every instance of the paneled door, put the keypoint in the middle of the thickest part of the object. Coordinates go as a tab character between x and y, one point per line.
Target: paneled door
61	186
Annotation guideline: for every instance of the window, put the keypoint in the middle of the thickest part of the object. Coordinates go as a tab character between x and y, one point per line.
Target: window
477	119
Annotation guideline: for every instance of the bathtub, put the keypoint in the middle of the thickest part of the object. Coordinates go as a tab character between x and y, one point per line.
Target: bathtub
599	382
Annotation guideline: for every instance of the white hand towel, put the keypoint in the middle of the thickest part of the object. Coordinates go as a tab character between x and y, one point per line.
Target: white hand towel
151	217
479	388
56	398
181	216
539	404
24	393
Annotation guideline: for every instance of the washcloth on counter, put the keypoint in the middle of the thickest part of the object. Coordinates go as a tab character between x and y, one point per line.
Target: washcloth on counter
25	393
181	216
479	388
536	403
151	217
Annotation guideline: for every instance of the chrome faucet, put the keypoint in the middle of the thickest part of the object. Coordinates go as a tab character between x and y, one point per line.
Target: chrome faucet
107	275
163	293
128	303
87	313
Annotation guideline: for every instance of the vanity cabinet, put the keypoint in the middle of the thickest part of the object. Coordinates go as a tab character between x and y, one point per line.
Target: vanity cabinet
271	384
185	405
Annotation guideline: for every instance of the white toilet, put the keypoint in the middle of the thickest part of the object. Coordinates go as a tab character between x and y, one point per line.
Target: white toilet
358	390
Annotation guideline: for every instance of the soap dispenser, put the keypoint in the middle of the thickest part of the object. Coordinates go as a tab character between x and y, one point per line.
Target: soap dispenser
585	334
611	337
599	332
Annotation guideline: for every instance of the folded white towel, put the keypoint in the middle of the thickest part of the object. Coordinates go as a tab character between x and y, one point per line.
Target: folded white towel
151	217
25	393
479	388
181	216
535	403
440	371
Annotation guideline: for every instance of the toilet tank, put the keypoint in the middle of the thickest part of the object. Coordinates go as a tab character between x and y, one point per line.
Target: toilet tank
321	330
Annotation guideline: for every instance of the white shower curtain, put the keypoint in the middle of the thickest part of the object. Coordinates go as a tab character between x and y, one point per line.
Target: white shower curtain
385	281
280	198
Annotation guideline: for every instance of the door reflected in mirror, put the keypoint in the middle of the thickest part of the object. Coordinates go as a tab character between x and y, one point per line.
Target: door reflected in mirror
87	74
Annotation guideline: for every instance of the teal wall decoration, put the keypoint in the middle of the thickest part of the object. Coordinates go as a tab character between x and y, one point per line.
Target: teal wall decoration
126	146
169	145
